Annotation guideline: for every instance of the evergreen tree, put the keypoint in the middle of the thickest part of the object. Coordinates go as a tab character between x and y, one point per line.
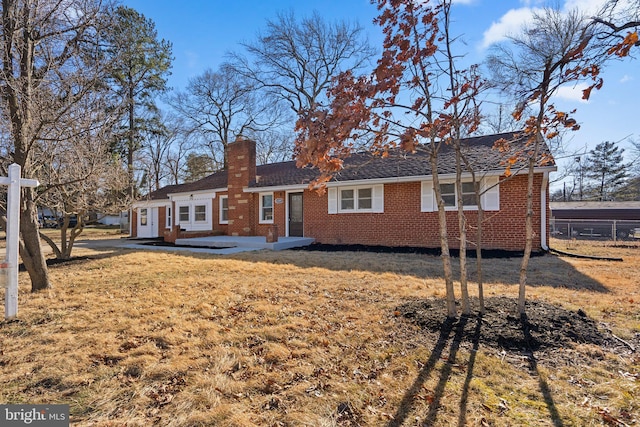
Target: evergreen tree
141	64
605	168
198	166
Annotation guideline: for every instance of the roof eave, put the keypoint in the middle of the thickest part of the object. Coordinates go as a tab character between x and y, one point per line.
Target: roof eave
205	191
389	180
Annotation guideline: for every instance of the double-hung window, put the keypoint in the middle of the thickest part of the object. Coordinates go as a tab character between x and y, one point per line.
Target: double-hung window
183	213
224	210
356	199
450	198
266	208
489	195
469	194
200	213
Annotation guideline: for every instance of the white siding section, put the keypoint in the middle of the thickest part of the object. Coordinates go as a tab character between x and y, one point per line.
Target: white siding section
192	201
332	194
491	198
426	197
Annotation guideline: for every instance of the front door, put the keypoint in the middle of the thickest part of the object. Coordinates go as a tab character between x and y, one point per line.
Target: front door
295	215
148	222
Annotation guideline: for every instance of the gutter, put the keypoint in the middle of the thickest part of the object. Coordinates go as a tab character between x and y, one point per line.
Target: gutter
388	180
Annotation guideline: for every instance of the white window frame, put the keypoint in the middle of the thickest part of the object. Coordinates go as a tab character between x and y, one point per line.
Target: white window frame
490	197
168	217
180	213
470	206
263	220
356	199
221	220
376	199
195	213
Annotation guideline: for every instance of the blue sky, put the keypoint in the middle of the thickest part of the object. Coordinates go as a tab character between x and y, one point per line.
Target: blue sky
203	31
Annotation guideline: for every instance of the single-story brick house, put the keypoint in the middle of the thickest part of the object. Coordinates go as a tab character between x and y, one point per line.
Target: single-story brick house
372	201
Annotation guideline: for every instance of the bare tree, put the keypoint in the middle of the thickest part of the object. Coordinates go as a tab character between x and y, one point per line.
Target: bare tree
617	24
177	158
554	49
48	52
414	96
464	116
500	120
79	174
296	60
273	146
162	150
221	105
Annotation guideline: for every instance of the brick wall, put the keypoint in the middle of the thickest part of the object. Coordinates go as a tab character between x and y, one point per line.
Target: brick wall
241	171
133	221
279	214
402	223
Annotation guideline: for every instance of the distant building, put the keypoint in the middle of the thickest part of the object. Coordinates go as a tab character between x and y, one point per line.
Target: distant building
606	220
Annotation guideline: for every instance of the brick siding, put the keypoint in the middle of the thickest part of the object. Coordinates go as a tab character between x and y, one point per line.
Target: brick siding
402	223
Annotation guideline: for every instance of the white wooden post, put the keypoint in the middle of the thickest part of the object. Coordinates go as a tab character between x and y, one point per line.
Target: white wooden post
13	183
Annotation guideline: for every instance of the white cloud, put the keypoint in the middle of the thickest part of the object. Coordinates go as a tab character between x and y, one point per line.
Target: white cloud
587	6
572	93
529	3
510	23
464	1
626	78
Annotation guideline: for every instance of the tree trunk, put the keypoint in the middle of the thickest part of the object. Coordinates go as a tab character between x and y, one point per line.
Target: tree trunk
52	245
480	215
444	242
479	251
462	227
528	236
30	249
131	143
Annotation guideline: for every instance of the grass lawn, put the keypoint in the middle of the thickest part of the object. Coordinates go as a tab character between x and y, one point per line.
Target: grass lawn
298	338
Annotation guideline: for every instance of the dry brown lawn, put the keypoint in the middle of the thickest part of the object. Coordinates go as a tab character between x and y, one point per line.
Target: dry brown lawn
297	338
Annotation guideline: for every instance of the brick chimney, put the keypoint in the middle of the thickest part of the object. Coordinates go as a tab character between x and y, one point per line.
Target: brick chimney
241	170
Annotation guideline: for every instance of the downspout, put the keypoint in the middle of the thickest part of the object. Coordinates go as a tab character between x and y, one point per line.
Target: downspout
543	211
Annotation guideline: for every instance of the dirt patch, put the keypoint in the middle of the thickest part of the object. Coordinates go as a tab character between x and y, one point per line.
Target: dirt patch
546	326
486	253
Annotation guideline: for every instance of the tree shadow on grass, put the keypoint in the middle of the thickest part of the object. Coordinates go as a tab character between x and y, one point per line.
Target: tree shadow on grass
464	398
408	400
546	270
545	327
533	368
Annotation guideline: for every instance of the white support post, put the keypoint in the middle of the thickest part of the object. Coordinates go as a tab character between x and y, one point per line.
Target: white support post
13	183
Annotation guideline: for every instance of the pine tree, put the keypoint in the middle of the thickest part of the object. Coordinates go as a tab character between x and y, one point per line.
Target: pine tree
605	168
140	66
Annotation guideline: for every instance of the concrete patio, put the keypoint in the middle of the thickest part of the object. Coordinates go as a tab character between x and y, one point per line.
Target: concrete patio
245	242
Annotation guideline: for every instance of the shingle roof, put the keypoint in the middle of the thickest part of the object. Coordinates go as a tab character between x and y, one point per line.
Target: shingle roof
360	166
478	150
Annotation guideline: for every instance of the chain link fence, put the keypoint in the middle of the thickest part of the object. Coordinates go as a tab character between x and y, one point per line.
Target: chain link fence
591	229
